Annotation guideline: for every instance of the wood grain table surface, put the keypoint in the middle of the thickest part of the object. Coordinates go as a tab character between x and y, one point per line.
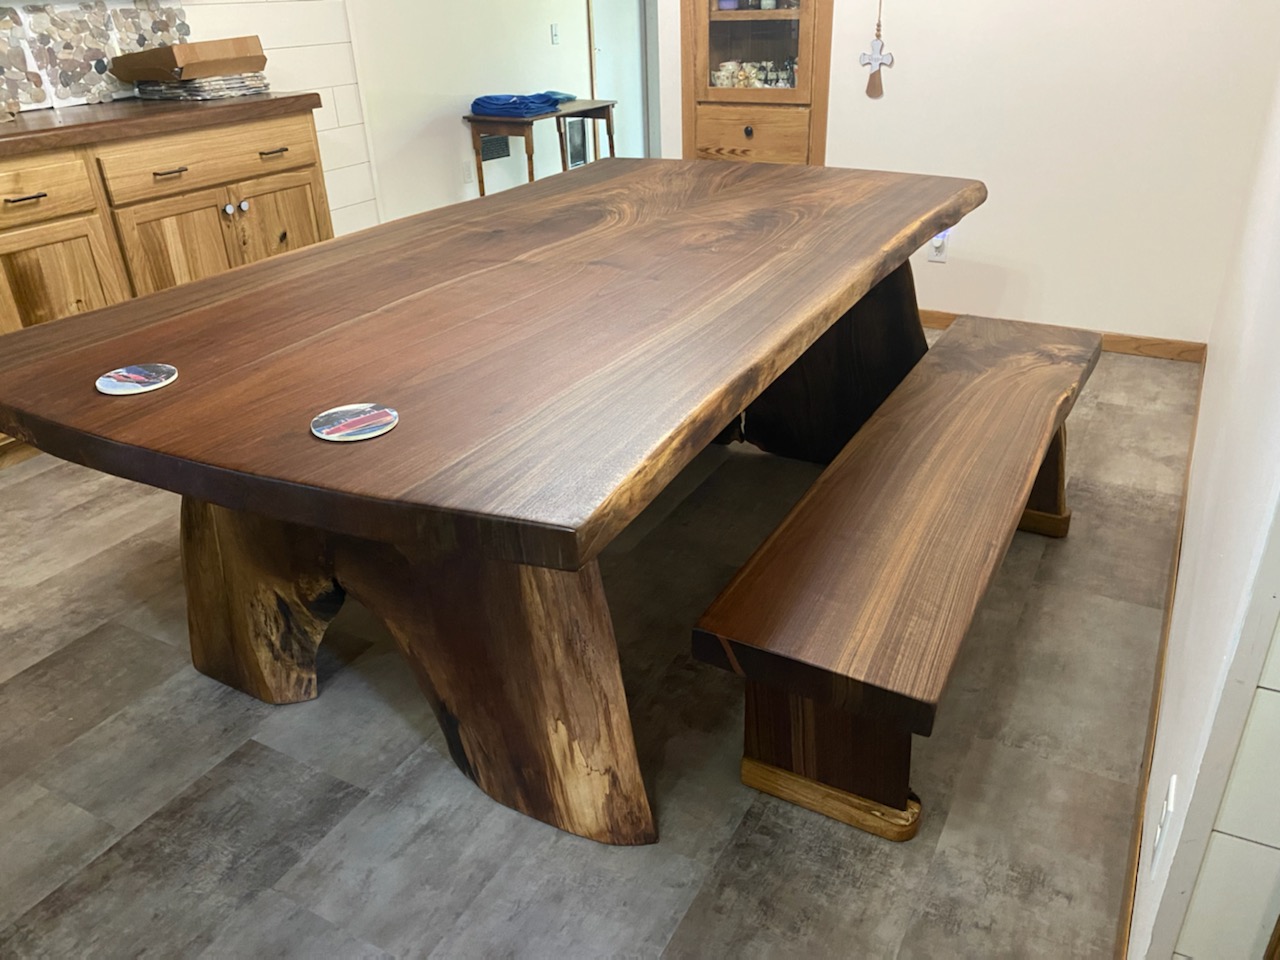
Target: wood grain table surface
557	352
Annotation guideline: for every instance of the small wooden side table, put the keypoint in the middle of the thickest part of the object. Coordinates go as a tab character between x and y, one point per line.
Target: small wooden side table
523	127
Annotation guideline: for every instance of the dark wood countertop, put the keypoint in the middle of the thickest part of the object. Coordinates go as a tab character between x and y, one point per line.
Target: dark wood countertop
35	131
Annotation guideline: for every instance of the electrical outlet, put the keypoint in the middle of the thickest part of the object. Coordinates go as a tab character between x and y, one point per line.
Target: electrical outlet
1166	811
938	247
555	33
469	170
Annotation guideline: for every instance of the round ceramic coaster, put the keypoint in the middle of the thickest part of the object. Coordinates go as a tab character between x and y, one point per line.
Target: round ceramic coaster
138	378
356	421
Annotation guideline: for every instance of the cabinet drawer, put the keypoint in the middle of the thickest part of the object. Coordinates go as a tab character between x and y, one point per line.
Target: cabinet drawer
43	188
164	166
769	134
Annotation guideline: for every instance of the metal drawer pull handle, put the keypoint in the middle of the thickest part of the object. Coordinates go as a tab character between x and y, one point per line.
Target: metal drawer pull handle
170	173
749	131
34	196
273	153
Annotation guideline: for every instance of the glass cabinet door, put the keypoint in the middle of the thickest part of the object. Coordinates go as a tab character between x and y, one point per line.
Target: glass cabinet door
757	51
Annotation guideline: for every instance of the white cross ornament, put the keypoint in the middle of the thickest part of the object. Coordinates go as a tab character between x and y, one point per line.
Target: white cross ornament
876	59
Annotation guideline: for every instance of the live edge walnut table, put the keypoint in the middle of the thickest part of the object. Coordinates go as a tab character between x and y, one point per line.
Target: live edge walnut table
557	353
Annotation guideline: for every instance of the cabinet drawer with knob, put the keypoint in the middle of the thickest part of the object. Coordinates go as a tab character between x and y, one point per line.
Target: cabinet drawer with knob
768	134
181	162
36	189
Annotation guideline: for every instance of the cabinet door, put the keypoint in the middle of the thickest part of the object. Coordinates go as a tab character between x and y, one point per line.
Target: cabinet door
52	271
176	240
747	54
55	270
275	215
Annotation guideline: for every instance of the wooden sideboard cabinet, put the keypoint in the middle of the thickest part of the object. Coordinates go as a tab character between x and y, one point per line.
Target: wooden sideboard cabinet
106	202
783	121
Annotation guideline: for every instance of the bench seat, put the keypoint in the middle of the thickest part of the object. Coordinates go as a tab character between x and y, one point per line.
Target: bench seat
847	621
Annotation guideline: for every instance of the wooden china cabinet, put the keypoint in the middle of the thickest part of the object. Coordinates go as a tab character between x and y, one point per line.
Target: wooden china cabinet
756	79
105	202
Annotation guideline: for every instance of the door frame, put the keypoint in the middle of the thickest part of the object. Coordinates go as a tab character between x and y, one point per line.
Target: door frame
648	74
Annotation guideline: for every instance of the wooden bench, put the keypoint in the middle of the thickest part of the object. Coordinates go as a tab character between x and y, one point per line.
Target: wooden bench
847	621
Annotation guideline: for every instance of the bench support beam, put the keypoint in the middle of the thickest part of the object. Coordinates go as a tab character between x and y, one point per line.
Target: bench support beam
1047	512
852	768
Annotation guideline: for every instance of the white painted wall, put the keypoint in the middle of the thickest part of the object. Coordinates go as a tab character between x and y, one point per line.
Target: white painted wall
1117	140
308	46
422	63
1228	592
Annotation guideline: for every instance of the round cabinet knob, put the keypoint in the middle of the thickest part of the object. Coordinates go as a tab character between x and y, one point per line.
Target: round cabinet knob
229	209
244	205
749	131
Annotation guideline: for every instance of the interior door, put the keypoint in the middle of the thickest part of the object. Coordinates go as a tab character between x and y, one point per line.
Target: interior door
176	240
274	215
619	30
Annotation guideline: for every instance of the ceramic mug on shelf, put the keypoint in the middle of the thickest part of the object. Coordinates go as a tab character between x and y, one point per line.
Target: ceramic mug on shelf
730	66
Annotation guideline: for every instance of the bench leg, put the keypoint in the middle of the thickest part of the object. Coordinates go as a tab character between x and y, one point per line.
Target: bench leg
850	768
1047	512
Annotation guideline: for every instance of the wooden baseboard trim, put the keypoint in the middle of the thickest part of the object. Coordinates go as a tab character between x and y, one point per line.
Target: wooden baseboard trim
1158	348
1054	525
876	818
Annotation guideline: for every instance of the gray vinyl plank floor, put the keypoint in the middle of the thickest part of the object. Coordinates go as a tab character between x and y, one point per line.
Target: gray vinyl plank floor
149	811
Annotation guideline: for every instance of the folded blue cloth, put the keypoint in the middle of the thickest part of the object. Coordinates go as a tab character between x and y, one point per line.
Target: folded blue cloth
513	105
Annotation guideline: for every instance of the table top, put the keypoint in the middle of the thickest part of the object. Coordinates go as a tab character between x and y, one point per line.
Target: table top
557	352
570	108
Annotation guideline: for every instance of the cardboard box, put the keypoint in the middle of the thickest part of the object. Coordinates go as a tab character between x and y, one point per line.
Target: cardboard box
191	61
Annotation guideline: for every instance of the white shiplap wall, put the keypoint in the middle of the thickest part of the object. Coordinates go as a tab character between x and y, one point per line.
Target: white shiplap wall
308	45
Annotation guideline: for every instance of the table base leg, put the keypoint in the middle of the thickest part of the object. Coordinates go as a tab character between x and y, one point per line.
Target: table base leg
522	669
519	662
258	600
817	404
